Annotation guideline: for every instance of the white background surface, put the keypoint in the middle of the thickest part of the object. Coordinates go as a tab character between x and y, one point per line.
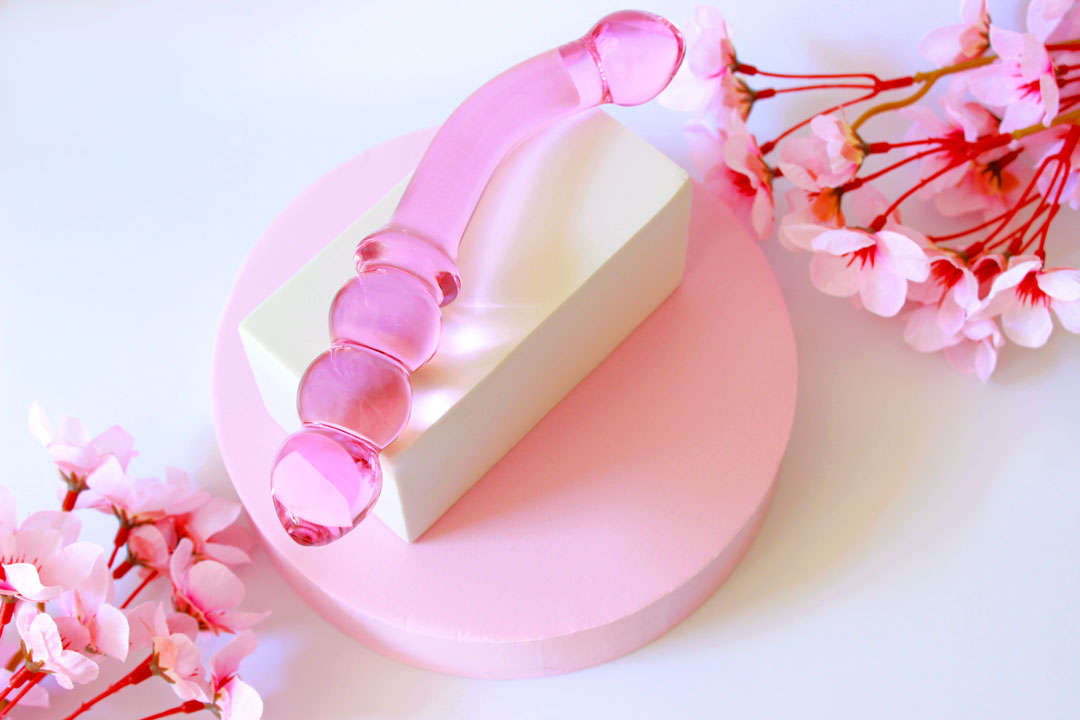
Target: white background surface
920	559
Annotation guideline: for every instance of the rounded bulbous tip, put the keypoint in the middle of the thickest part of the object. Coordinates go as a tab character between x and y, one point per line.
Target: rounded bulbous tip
303	532
323	484
638	54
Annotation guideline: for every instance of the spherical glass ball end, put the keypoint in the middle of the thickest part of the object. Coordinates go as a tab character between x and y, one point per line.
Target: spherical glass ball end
323	484
639	53
303	532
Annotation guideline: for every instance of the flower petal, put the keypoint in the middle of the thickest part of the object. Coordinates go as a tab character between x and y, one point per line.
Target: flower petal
761	214
1063	284
686	92
111	632
986	356
226	662
180	562
71	565
951	317
1068	314
145	620
213	516
1018	269
39	425
66	523
941	45
227	554
883	292
24	578
961	357
706	57
841	242
212	586
906	258
74	667
242	700
1027	325
798	235
924	333
833	275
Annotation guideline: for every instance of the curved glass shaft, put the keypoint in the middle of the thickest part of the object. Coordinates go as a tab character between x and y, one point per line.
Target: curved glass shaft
355	399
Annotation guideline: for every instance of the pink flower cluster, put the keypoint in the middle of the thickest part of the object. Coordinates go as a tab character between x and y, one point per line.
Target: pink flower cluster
997	154
60	618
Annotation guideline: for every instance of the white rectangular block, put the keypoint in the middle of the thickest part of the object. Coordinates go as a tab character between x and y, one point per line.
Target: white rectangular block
579	236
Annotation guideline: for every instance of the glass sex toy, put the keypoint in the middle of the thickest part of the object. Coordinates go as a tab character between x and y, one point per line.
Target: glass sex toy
356	397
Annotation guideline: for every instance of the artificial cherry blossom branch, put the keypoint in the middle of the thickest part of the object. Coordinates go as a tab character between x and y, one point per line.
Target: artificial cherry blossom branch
142	672
769	146
191	706
139	588
58	590
981	226
1012	108
751	70
26	688
926	80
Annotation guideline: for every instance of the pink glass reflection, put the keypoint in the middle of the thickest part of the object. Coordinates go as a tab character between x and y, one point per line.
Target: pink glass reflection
356	390
323	483
386	322
389	310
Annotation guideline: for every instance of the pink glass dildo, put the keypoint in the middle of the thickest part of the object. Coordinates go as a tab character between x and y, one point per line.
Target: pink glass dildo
355	399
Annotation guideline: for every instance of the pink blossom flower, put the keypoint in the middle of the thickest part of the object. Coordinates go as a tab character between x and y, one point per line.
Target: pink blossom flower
876	266
807	213
38	558
989	188
742	179
72	634
178	660
973	349
140	500
211	529
148	546
843	148
950	294
1053	20
810	212
982	183
956	43
208	591
1022	81
234	699
977	350
828	158
734	102
706	141
150	619
89	603
1024	294
71	447
699	84
45	649
986	267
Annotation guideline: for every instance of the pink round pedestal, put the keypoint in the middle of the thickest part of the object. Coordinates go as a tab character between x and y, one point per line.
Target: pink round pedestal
612	520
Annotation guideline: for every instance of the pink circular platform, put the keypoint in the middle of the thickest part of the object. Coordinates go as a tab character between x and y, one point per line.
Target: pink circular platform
621	512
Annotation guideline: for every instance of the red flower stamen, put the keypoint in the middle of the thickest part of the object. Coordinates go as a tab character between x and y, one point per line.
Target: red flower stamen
945	273
863	256
1029	291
